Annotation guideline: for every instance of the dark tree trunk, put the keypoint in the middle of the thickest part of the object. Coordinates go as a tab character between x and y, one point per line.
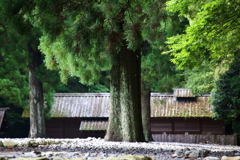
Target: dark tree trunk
37	119
146	112
125	121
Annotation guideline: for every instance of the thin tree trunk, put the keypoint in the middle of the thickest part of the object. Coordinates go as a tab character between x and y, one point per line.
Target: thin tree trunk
146	112
125	121
37	119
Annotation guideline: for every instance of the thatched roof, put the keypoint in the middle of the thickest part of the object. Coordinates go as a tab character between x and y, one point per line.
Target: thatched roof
179	104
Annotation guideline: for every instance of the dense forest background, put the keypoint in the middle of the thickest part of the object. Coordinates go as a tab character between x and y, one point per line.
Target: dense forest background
65	46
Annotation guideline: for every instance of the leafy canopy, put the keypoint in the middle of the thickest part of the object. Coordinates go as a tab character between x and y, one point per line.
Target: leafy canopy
58	57
84	33
213	35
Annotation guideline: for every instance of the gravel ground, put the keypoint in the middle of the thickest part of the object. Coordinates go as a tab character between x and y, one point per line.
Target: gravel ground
92	148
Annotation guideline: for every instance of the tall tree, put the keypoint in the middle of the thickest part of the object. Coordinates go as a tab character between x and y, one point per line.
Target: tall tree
93	34
226	97
24	78
23	40
29	47
37	118
97	33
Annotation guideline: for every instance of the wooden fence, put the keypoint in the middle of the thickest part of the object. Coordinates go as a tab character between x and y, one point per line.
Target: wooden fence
196	138
192	125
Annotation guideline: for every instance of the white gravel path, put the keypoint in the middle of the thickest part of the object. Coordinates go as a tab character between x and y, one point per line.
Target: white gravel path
92	148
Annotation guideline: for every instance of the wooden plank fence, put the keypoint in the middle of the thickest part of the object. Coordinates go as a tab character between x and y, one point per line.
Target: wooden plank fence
196	138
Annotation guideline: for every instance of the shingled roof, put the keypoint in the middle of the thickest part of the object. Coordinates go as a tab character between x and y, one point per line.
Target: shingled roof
89	125
81	105
162	105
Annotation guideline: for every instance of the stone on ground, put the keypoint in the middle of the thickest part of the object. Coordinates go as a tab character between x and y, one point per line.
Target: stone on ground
211	158
10	144
230	158
129	157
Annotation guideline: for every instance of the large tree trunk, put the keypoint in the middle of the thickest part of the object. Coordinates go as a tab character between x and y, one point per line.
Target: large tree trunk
114	132
146	112
37	119
125	121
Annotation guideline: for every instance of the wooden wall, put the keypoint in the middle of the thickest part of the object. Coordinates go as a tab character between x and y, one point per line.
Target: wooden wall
63	127
191	130
190	125
69	127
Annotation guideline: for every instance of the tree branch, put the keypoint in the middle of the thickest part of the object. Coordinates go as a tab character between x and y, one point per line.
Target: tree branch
121	10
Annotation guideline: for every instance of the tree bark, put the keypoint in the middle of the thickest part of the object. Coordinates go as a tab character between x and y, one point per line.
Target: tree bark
37	119
146	112
114	132
125	121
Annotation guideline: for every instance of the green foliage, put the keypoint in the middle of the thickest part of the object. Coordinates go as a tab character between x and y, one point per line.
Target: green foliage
155	19
98	88
200	80
226	97
73	86
68	64
18	40
213	33
211	40
14	74
50	81
82	41
158	73
86	37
